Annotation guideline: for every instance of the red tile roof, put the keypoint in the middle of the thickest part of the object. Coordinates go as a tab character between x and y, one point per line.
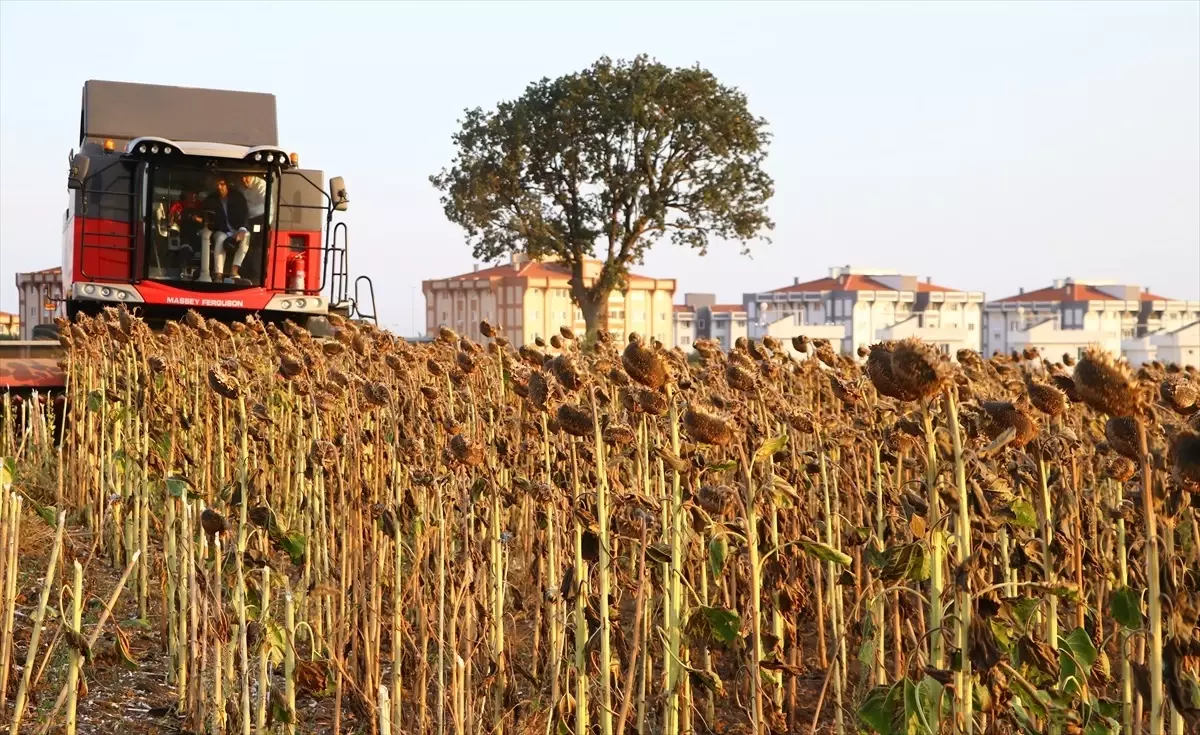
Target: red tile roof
532	269
683	309
496	271
842	283
1146	296
1069	292
852	282
727	308
925	287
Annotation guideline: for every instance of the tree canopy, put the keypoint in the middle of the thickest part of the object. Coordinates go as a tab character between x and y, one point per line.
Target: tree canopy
603	164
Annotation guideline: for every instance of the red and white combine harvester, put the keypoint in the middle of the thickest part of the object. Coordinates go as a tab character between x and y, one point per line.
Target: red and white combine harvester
182	198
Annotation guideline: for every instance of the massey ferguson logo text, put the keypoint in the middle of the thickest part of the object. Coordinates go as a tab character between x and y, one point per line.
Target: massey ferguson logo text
191	301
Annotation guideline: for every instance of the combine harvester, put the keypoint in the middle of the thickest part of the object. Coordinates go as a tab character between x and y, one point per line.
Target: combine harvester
182	198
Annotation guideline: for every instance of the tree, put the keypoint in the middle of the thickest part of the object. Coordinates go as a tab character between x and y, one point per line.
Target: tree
613	158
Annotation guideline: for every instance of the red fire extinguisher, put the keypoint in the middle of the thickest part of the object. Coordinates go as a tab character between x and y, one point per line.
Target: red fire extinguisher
296	276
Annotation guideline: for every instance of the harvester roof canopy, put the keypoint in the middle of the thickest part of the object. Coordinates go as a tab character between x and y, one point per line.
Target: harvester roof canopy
257	153
124	110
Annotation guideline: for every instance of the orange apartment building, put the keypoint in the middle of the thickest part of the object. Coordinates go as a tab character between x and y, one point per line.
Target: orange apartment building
527	299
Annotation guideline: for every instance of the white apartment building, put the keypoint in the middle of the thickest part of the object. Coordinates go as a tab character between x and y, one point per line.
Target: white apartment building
1179	346
529	299
857	307
701	317
1069	315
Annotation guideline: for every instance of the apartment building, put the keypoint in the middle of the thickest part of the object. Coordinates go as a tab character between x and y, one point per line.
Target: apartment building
1069	315
10	325
40	299
527	299
856	307
701	317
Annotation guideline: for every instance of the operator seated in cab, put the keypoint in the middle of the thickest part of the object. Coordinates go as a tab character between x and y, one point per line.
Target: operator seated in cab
224	226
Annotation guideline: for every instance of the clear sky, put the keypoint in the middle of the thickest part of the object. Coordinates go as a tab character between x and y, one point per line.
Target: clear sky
988	145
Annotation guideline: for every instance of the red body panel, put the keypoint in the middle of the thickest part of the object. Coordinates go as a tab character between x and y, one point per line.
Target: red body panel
105	259
107	256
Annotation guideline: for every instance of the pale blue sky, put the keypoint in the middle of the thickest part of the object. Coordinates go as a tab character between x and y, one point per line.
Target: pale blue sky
988	145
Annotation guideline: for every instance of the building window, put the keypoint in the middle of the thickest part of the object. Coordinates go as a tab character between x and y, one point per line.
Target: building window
662	317
970	326
741	323
443	316
700	324
537	314
685	340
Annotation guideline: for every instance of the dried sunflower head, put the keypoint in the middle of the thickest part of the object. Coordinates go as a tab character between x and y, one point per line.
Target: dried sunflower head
1047	399
539	390
1002	416
1121	432
465	362
716	500
1180	393
1104	385
879	370
620	435
618	376
739	378
918	368
1120	469
651	402
802	421
1185	460
707	428
464	451
644	365
532	356
394	363
223	383
564	370
575	420
1065	384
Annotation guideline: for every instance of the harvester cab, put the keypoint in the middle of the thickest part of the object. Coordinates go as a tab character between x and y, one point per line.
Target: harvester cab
182	198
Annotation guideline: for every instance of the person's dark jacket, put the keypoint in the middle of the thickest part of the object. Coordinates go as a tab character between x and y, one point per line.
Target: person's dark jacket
239	213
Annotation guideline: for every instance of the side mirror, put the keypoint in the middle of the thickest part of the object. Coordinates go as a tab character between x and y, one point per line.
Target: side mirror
337	193
79	170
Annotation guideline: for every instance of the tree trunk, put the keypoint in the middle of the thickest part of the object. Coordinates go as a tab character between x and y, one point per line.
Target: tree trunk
595	310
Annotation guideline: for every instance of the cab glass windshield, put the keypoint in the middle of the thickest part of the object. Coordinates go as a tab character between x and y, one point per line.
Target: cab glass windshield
207	226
